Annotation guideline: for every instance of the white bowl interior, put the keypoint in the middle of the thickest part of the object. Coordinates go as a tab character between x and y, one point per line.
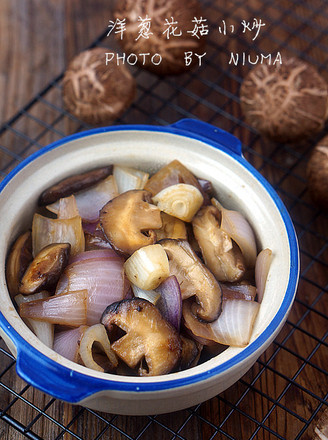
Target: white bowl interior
236	188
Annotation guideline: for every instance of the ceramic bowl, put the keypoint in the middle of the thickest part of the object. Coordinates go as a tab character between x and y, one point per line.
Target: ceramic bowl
209	153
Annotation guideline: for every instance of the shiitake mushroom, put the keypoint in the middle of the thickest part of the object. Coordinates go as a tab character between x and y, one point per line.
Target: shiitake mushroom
44	271
19	258
73	184
317	174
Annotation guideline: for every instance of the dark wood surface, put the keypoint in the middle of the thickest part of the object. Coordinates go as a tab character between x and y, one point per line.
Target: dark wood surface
37	39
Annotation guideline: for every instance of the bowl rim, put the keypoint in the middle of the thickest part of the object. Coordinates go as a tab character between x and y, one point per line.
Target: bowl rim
167	382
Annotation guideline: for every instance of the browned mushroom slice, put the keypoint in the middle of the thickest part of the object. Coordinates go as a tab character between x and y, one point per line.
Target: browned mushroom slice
73	184
149	339
172	227
19	258
221	255
46	268
128	221
194	278
171	174
191	351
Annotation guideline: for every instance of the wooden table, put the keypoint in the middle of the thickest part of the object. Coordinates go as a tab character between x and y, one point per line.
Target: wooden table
283	395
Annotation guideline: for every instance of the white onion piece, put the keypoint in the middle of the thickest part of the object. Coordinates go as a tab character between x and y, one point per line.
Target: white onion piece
181	200
103	277
68	207
262	267
65	207
233	327
65	309
48	230
129	178
238	228
43	330
91	200
96	336
147	267
66	342
150	295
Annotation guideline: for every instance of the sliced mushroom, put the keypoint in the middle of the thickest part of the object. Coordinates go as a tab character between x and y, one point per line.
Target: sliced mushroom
172	228
194	278
148	339
191	351
171	174
241	290
19	258
128	221
73	184
221	255
46	268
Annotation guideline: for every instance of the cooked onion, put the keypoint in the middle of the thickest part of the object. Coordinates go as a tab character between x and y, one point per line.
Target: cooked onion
233	327
170	301
238	228
150	295
43	330
66	309
66	342
90	201
147	267
262	267
95	350
65	208
48	230
180	200
101	273
129	178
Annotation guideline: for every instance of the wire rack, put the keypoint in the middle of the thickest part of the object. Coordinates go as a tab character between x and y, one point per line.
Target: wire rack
285	392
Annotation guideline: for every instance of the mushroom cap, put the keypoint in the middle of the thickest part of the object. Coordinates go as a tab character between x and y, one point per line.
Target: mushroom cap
317	174
128	221
194	278
148	336
94	92
221	255
19	258
286	102
73	184
44	271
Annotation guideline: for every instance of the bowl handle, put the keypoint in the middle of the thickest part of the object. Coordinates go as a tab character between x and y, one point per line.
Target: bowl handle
51	378
213	134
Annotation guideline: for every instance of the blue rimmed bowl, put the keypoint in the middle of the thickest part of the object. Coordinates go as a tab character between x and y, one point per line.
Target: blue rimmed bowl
209	153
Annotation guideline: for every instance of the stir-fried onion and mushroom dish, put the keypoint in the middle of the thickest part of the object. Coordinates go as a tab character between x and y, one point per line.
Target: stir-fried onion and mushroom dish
134	274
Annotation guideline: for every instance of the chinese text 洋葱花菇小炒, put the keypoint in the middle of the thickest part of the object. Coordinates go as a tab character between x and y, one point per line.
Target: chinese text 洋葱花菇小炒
198	28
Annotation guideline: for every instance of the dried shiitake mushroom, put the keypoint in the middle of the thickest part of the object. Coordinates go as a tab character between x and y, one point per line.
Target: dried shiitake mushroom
95	92
286	102
317	174
156	39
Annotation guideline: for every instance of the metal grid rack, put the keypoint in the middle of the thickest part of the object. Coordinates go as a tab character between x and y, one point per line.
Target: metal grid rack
285	392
